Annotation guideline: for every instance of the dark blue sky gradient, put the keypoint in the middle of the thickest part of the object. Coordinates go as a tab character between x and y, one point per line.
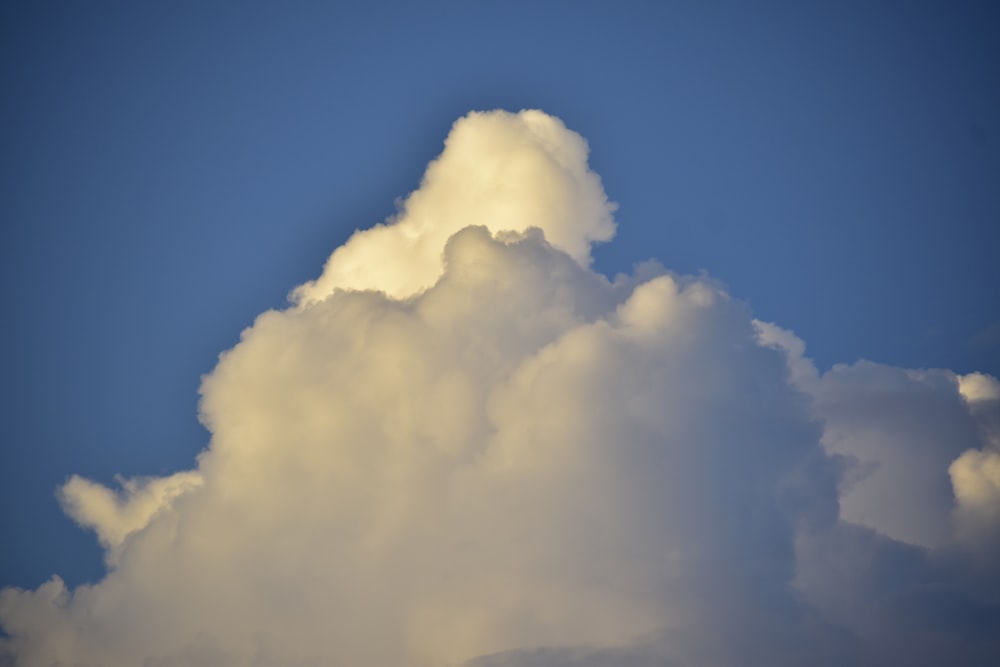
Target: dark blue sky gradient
170	170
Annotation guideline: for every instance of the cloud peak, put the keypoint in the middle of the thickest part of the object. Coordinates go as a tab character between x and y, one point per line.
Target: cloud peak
501	170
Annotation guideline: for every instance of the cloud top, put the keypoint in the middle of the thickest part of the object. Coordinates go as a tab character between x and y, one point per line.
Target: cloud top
503	171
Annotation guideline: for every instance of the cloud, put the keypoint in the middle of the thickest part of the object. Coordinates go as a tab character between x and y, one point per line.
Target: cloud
976	478
462	445
115	516
506	172
977	388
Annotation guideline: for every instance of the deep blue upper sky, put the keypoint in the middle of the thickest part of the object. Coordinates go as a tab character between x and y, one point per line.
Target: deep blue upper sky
170	170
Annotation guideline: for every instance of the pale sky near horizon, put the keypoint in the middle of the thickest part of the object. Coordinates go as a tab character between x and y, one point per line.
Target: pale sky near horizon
172	170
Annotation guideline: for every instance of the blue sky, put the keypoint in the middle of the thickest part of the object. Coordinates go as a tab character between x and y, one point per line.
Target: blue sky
170	170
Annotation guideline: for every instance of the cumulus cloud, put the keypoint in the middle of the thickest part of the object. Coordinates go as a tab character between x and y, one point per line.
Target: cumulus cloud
461	445
978	388
116	515
506	172
976	478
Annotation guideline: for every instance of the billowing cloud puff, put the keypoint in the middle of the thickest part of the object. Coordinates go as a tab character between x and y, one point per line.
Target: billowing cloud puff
977	388
506	172
976	478
461	445
115	516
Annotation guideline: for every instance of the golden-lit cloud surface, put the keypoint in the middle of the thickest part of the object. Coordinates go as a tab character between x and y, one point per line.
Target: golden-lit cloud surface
460	444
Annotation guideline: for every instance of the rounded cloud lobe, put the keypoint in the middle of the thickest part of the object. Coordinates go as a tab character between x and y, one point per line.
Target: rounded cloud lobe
461	445
506	172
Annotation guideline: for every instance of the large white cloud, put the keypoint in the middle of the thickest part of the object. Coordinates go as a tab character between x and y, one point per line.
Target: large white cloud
461	444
